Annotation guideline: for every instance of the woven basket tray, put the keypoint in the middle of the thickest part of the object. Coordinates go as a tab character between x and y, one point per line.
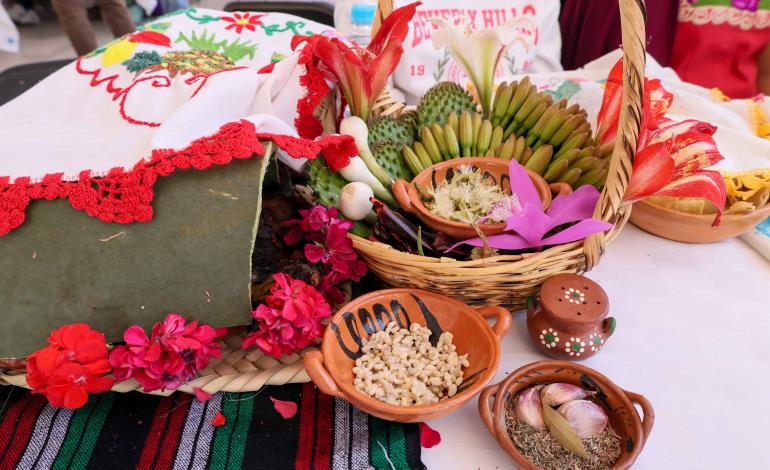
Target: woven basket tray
235	371
509	280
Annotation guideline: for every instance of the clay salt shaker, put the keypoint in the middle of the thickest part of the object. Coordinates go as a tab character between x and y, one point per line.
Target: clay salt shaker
569	319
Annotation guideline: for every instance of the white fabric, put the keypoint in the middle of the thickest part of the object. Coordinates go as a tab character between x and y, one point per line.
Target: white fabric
9	35
537	48
691	337
66	125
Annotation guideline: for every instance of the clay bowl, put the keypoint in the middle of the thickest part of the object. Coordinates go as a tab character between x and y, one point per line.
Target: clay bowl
496	168
691	228
618	403
331	367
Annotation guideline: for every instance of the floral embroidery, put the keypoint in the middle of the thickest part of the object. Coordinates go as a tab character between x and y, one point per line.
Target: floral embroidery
575	296
239	21
142	60
235	50
293	26
575	347
596	341
549	338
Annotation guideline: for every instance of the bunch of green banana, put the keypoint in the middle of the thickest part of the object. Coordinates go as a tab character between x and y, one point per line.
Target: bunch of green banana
523	111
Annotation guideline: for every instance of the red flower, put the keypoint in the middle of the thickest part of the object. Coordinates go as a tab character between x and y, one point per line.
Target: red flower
290	318
313	224
673	161
337	251
173	356
671	156
363	73
72	365
243	20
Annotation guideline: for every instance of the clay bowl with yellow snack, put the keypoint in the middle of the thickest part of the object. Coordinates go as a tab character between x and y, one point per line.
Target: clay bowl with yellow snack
409	198
693	228
331	368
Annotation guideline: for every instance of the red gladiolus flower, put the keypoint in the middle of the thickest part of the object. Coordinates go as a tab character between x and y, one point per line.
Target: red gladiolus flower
673	164
73	365
656	102
290	318
239	21
363	73
173	356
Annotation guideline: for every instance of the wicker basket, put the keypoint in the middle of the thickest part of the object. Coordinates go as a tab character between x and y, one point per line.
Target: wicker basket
509	280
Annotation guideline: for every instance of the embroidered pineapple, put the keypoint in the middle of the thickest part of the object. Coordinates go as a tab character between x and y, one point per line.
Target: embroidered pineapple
194	62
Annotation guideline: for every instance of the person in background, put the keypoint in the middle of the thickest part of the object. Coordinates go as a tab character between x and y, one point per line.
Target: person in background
23	12
73	18
591	28
724	44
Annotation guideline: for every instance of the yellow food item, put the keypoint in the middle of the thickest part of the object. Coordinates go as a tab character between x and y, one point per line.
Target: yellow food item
759	122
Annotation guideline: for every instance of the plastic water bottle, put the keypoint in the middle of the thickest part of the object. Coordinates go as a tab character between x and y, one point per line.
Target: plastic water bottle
353	19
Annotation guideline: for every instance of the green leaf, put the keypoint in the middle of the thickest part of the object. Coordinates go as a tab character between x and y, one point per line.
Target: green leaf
238	50
561	430
142	60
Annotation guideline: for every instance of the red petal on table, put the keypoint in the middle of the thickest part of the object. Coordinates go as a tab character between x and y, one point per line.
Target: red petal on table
150	37
219	420
429	437
287	409
201	395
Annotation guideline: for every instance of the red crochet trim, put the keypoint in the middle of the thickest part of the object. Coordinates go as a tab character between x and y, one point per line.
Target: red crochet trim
125	196
306	123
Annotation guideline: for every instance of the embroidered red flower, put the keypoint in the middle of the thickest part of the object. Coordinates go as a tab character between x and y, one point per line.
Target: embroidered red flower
239	21
73	365
290	318
170	358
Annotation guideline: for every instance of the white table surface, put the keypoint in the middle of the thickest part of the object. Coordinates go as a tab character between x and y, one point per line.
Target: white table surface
693	336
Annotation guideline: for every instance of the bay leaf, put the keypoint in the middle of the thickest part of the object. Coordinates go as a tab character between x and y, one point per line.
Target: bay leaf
561	430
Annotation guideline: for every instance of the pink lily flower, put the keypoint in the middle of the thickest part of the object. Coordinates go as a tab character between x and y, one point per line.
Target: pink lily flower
529	224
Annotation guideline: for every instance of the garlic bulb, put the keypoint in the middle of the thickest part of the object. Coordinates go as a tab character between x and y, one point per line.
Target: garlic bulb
355	202
528	408
557	393
586	417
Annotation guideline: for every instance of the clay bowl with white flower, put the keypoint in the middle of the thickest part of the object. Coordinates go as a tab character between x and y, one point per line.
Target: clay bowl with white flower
451	196
408	355
560	409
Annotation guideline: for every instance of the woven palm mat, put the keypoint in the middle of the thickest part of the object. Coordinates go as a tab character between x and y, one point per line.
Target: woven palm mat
131	430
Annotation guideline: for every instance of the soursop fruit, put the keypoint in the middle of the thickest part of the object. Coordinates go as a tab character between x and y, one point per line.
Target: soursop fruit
391	159
390	129
442	99
409	118
327	185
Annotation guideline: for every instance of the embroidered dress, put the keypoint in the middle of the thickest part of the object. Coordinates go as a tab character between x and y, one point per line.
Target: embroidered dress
718	41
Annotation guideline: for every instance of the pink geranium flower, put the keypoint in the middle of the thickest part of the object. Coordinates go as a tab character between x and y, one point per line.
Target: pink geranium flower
290	318
168	359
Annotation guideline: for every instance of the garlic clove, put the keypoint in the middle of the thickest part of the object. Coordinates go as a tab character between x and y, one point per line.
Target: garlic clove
586	417
528	408
557	393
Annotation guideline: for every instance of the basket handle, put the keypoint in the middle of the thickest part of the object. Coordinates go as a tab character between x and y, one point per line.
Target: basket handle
649	414
314	365
504	320
485	408
384	8
610	208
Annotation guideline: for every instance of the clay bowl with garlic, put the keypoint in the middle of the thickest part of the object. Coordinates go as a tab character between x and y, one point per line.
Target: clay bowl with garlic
408	196
619	404
331	368
693	228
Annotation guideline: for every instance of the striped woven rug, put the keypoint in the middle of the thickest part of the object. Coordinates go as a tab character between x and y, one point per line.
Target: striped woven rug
124	431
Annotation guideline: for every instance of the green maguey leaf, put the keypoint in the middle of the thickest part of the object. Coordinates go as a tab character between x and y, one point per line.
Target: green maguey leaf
561	430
